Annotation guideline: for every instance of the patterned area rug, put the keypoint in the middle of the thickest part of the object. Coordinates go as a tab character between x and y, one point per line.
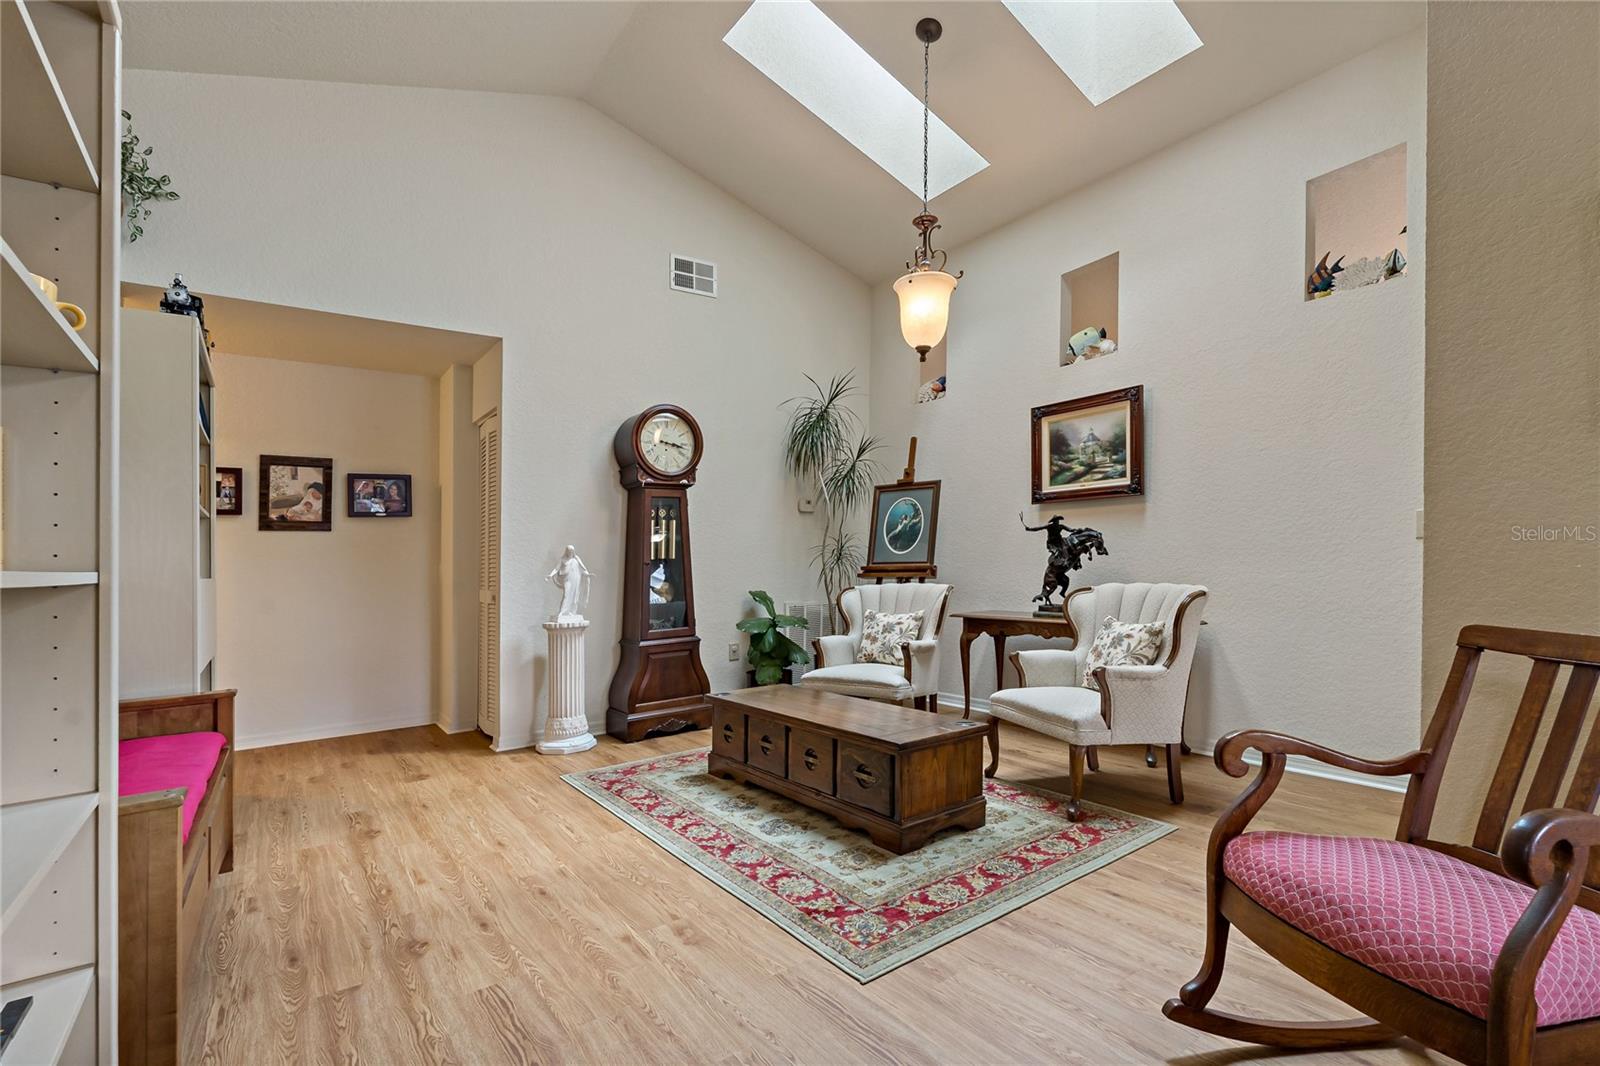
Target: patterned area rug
864	909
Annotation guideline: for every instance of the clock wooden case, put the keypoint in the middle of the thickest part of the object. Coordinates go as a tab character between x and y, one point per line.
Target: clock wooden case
660	685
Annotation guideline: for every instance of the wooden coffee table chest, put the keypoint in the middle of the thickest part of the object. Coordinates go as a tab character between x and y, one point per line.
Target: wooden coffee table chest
901	775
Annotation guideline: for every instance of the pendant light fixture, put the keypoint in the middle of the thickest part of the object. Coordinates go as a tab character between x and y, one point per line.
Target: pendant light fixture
925	291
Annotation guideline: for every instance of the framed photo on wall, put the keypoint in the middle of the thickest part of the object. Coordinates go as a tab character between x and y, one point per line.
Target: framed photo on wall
295	493
1089	448
905	528
230	490
378	495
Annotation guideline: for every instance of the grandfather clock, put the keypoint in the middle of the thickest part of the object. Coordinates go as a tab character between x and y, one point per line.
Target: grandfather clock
660	686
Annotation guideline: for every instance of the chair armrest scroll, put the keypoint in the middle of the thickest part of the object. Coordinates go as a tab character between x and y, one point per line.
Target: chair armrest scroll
1230	751
1047	667
1541	840
835	650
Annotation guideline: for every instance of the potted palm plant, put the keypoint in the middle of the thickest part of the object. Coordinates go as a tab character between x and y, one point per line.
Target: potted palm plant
828	453
772	656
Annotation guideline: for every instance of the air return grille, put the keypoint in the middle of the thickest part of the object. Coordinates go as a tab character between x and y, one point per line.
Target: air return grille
694	275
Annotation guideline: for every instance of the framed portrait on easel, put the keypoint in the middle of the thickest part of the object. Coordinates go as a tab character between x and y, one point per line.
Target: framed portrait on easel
905	527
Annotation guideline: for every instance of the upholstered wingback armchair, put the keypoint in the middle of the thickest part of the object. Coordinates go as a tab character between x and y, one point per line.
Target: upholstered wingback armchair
915	678
1130	704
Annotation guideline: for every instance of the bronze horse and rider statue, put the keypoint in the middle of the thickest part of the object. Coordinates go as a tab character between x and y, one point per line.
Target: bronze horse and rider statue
1068	547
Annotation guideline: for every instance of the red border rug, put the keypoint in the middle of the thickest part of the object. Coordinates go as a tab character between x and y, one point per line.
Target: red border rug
865	910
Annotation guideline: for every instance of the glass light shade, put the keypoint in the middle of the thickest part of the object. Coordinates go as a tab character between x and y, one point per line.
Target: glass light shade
924	307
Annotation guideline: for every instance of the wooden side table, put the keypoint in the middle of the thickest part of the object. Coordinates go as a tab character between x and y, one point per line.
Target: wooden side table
1000	625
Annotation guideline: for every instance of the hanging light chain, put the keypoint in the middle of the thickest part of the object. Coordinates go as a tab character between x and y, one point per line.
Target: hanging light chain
926	45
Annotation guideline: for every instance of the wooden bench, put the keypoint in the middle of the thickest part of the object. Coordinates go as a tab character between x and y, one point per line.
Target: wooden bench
163	880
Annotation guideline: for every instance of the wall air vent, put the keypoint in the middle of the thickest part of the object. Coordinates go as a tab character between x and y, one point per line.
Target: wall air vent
694	275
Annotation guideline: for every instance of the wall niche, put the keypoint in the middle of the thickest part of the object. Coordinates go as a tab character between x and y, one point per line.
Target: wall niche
931	376
1089	303
1356	225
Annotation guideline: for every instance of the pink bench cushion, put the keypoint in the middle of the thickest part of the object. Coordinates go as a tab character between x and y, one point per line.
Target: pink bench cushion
180	760
1425	919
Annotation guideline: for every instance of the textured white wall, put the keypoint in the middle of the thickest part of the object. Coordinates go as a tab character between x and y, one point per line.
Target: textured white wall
1284	438
1514	222
328	633
537	220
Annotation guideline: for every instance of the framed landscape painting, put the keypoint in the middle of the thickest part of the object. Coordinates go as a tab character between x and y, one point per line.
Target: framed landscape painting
905	527
295	493
1089	448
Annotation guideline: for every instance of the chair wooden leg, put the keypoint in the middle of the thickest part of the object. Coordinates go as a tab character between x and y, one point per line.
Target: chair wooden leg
1190	1009
1093	759
1175	773
1075	757
1150	756
994	747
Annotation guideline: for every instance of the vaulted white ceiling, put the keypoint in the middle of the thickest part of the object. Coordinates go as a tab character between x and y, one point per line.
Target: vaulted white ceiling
663	71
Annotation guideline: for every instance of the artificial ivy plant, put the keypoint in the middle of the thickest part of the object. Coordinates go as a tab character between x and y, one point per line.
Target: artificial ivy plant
140	188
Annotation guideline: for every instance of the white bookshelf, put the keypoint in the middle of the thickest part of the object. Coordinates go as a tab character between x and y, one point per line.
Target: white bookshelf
59	218
168	532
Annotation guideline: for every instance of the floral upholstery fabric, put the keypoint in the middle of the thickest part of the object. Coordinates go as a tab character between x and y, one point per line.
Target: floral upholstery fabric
1123	644
1427	920
883	633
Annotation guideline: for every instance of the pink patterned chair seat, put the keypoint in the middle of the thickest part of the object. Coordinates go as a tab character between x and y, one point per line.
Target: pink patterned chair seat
1422	918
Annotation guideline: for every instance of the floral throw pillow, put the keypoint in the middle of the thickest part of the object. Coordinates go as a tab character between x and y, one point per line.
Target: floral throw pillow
1123	644
882	635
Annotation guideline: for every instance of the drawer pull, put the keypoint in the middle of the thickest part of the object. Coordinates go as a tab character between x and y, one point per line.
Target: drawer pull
811	758
864	776
727	734
766	744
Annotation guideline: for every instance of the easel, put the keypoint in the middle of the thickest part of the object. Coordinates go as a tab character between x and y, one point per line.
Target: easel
903	572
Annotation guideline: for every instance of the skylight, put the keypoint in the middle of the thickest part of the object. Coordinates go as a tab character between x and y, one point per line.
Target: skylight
1106	47
807	56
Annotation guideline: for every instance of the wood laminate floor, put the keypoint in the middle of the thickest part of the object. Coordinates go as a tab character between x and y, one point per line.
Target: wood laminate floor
409	897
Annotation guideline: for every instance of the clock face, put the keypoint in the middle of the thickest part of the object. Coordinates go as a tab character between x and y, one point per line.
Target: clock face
667	443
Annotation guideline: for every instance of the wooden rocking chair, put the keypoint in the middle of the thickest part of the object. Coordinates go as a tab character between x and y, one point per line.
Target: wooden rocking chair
1444	943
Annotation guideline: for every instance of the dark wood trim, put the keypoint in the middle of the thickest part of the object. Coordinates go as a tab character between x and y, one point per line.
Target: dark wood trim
1133	396
264	520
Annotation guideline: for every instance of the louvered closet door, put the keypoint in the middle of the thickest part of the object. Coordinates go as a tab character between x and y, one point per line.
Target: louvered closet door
489	576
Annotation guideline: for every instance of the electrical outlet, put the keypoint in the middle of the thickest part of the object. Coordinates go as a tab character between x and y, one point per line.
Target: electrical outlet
807	505
733	651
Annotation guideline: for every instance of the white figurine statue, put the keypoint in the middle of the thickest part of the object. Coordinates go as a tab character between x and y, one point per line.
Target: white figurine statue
571	577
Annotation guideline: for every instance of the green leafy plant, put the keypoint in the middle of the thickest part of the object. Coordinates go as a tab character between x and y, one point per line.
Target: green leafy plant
140	188
771	652
826	451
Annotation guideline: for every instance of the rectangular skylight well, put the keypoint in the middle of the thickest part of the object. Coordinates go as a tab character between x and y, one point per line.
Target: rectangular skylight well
1106	47
809	57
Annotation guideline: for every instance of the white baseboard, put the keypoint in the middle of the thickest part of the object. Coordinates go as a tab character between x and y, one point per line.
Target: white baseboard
329	730
1297	764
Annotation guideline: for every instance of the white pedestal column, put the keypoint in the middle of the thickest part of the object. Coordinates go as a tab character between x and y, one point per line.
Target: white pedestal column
567	729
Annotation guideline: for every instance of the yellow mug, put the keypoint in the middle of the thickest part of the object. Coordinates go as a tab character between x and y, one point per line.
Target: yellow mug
72	312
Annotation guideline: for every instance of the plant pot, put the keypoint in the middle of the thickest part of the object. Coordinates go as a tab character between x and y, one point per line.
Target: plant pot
788	677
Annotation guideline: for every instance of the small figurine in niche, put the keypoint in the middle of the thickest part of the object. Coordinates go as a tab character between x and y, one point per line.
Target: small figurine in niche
1068	547
1320	283
1088	343
931	390
1395	262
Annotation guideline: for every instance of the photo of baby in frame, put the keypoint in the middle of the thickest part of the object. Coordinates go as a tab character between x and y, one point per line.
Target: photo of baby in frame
295	493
